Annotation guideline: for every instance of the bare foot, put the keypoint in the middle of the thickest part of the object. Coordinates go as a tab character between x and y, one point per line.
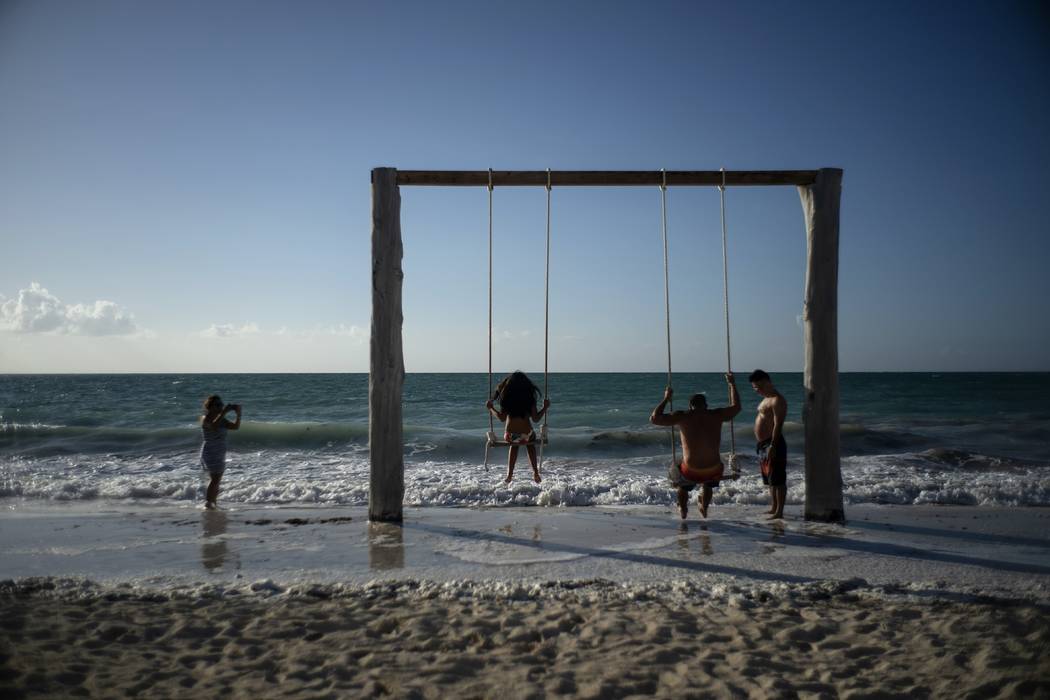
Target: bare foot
536	475
510	477
775	516
210	505
683	503
703	508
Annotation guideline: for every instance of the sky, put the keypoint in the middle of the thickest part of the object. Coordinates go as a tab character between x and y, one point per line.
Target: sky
184	186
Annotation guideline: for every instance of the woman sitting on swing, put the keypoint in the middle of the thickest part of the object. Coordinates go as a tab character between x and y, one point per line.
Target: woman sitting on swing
518	397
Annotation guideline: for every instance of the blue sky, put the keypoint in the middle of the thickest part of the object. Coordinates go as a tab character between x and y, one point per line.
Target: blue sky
184	186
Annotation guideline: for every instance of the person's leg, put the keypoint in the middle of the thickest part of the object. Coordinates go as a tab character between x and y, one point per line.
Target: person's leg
778	479
705	499
683	502
766	481
772	500
511	461
213	490
531	449
781	495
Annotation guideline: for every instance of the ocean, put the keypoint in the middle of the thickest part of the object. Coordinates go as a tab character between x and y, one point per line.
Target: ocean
907	438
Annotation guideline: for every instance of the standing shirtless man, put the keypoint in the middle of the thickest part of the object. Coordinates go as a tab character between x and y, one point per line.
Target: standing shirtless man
772	449
701	429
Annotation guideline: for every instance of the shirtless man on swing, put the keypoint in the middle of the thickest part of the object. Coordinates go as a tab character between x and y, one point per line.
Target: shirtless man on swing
701	429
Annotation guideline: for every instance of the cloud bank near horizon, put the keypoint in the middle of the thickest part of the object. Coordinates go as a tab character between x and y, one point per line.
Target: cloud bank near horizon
36	310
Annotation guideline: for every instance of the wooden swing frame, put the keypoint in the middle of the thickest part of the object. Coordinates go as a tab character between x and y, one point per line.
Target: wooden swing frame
820	193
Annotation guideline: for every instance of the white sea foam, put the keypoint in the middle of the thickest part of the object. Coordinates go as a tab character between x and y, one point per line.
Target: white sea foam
342	478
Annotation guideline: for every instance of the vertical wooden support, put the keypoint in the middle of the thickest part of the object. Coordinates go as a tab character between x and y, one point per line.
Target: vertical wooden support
386	374
820	412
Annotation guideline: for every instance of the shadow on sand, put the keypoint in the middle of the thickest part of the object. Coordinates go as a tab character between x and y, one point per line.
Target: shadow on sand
632	557
886	549
967	535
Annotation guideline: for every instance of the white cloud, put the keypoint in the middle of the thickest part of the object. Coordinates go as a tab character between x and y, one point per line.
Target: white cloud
100	318
37	310
228	330
357	334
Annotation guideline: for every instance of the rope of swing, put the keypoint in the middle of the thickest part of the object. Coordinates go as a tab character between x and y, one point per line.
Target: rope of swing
667	299
725	289
546	293
546	318
491	424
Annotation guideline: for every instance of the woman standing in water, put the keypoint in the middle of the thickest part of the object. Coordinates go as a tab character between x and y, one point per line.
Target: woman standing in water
213	450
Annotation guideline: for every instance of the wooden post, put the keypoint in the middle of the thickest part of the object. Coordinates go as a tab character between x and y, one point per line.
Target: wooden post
820	411
386	373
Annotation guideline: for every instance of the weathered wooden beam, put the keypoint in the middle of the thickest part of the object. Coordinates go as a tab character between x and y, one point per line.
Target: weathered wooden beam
608	178
386	374
820	411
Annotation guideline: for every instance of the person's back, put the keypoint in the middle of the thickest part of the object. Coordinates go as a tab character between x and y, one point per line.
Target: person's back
517	396
701	437
701	431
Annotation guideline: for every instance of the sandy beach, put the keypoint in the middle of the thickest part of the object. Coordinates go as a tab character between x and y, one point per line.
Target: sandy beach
462	640
106	601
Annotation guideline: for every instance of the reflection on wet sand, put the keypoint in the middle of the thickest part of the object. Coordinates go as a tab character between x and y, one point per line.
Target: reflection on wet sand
213	551
537	531
685	543
705	542
386	546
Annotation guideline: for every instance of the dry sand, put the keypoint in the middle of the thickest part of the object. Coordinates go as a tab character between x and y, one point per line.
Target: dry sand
592	639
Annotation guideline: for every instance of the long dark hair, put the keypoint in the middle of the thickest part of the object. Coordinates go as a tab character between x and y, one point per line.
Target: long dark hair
517	395
213	400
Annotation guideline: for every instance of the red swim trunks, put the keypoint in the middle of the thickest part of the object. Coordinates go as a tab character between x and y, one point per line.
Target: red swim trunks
774	471
684	477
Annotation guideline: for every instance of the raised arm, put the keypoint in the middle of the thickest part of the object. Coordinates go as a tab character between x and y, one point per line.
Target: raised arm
733	408
536	415
658	416
233	425
492	409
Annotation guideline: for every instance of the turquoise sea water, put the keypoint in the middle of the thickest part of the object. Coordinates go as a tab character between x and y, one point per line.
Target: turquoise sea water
906	438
